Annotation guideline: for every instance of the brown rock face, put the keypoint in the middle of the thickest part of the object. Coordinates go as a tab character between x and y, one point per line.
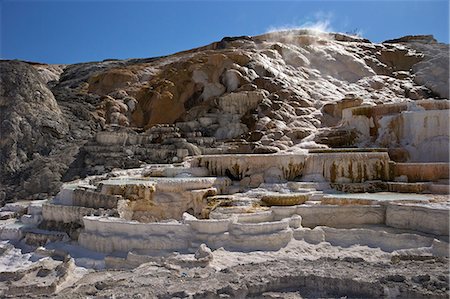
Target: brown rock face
111	80
182	85
164	103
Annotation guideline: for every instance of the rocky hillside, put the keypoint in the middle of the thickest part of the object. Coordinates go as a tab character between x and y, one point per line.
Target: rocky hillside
262	94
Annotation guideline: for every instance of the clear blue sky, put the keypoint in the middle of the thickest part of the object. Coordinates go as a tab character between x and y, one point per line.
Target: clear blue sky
78	31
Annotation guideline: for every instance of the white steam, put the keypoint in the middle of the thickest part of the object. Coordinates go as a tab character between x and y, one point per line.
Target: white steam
321	24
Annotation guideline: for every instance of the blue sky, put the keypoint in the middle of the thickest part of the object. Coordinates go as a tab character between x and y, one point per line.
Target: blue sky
78	31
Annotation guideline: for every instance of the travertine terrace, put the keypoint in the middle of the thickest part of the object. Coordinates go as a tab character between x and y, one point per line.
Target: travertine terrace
299	161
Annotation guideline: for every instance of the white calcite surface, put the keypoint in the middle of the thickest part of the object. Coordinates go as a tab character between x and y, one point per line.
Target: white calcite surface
333	167
166	184
262	230
11	231
208	226
240	103
237	228
271	241
107	225
432	219
424	134
31	219
65	214
109	234
96	200
15	207
384	239
272	167
422	172
420	128
152	199
347	167
65	195
440	248
336	216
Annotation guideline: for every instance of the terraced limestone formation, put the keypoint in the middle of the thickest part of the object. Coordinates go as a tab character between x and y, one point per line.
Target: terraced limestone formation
132	218
290	165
